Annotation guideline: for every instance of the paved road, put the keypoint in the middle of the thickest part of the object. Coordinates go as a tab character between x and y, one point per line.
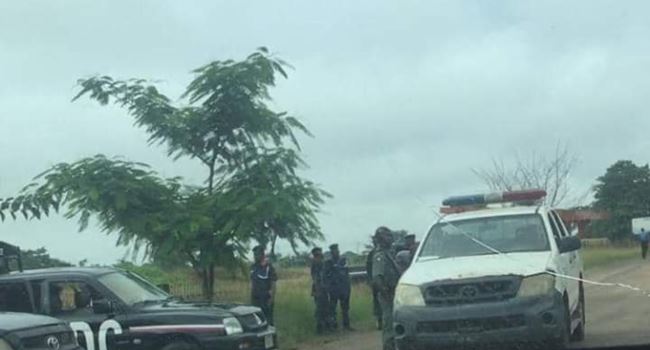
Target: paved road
615	316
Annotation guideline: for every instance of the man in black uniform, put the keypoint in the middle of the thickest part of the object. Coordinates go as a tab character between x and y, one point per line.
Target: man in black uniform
376	307
336	276
319	292
263	278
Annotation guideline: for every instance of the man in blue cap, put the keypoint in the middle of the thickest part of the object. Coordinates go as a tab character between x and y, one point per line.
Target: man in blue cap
643	239
336	276
263	278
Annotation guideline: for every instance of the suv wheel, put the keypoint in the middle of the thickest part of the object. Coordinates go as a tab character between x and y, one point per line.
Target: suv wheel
579	333
180	345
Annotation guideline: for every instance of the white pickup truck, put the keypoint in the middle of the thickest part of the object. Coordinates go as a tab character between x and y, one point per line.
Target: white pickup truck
493	275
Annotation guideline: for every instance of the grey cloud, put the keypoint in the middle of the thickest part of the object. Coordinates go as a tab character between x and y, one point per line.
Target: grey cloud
405	98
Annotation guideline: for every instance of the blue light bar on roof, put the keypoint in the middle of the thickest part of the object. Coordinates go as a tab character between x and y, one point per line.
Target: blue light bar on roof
465	200
499	197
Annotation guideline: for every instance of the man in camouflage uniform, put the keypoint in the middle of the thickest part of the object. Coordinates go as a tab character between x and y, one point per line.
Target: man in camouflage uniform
319	292
385	275
411	245
376	308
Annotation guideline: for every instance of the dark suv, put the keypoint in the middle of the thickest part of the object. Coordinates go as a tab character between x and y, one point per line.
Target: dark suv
26	331
114	309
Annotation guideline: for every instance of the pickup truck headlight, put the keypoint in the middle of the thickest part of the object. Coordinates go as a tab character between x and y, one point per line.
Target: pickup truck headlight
4	345
232	326
536	285
408	295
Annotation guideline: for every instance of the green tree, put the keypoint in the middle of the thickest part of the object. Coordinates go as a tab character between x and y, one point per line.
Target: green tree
623	191
252	189
39	259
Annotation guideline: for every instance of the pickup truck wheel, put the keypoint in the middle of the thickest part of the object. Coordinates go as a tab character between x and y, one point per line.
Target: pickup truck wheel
564	338
579	333
180	345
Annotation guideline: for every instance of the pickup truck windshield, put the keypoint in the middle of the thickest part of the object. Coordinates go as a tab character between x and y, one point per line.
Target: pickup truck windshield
131	288
515	233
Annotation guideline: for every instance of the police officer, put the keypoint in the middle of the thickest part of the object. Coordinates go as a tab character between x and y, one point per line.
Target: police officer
376	307
411	245
385	275
319	292
643	240
336	276
263	279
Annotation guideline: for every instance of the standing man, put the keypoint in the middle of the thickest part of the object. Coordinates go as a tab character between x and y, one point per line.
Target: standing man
385	275
411	245
263	279
336	276
319	292
643	238
376	307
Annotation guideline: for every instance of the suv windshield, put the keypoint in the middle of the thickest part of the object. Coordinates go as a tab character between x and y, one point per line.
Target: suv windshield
131	288
516	233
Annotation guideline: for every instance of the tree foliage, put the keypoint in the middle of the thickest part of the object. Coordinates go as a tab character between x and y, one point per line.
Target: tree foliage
623	191
251	155
39	259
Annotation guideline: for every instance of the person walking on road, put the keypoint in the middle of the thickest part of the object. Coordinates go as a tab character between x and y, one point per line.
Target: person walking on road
385	275
319	292
263	279
643	239
336	276
376	307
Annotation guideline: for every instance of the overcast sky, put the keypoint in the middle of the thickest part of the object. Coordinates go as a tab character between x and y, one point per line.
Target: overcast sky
404	97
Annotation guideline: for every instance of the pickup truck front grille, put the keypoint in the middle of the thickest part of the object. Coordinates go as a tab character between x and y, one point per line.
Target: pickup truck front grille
471	325
253	321
471	291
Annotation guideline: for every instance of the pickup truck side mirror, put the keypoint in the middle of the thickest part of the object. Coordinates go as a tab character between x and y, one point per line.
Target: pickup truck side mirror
102	306
569	244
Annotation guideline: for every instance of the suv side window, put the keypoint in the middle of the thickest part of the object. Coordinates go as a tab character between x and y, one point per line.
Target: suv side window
560	224
556	231
14	297
72	298
37	295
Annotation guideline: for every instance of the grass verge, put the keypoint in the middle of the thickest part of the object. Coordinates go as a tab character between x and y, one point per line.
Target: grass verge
603	256
294	310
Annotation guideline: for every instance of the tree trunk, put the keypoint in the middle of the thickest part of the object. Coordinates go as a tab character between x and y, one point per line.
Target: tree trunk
205	285
211	282
273	240
207	282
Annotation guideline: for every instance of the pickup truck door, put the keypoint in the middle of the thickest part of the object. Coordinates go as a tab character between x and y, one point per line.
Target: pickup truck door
71	300
574	263
561	261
